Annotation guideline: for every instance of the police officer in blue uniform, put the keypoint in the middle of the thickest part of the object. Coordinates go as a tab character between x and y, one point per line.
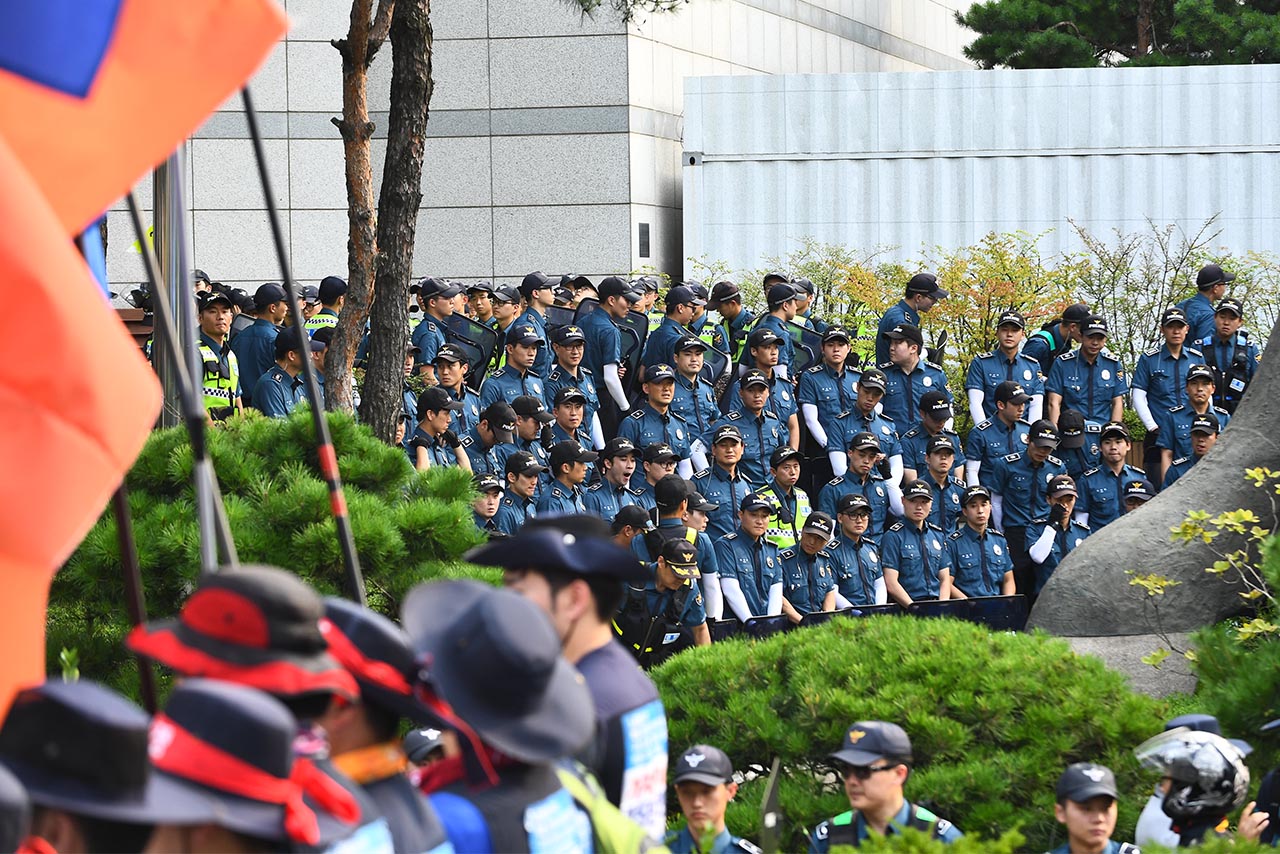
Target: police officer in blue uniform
1053	536
935	412
1204	435
1019	494
723	482
875	761
282	387
808	577
921	295
1004	364
532	435
660	346
979	554
1158	379
1102	489
603	354
671	502
570	404
434	443
1056	337
653	421
519	505
947	489
1089	379
569	465
782	310
451	372
998	437
255	347
730	335
569	343
484	509
517	376
855	556
828	389
862	478
762	431
1086	807
913	553
1081	446
436	298
656	462
1211	285
908	375
704	785
538	291
612	491
863	418
791	502
1229	352
695	398
1174	439
750	566
485	440
667	613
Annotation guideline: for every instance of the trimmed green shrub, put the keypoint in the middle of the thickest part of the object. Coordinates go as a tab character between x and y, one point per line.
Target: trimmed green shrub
915	842
408	526
993	718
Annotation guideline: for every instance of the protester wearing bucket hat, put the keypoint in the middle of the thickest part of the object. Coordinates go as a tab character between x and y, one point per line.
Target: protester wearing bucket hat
922	293
808	575
704	785
494	657
571	568
875	761
365	738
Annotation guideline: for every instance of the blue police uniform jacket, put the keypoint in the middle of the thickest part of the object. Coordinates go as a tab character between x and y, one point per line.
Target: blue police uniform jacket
582	436
559	500
761	435
993	439
1088	388
483	458
1064	541
605	500
255	350
755	563
847	424
603	344
704	549
278	393
806	579
489	526
428	336
915	443
533	317
946	501
873	488
645	497
1177	469
1102	493
469	415
895	315
437	453
660	345
410	398
645	425
695	402
724	843
786	347
507	383
1175	428
584	382
1044	345
902	390
1199	311
819	840
857	568
715	485
1218	354
1163	377
1087	456
694	612
919	555
1112	847
830	392
513	512
781	401
987	372
979	561
1022	487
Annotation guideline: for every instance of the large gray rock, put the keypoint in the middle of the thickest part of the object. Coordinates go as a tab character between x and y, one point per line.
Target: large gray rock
1090	595
1123	654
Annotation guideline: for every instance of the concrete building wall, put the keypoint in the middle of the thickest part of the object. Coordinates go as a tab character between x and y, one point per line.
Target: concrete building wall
553	138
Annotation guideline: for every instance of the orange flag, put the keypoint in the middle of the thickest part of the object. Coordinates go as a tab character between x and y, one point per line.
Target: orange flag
94	93
76	403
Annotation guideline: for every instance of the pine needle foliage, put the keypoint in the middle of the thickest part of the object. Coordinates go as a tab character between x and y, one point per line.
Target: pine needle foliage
409	527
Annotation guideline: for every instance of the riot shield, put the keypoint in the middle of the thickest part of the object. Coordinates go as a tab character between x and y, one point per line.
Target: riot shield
477	341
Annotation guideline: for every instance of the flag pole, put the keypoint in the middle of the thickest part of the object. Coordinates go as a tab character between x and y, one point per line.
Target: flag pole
324	442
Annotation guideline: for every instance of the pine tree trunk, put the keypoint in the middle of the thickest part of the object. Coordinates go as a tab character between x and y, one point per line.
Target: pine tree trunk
1145	22
358	49
398	204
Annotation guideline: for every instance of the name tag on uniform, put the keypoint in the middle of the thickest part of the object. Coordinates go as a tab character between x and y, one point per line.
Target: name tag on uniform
670	637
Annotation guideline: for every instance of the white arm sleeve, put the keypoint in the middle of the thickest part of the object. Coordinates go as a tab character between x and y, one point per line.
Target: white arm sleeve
614	384
882	592
733	596
1035	408
1143	408
698	458
971	468
1041	548
841	602
780	371
895	469
839	462
713	598
976	398
810	411
597	432
895	499
775	600
684	468
997	512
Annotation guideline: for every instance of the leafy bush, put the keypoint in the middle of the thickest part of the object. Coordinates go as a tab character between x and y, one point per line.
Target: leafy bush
409	526
994	718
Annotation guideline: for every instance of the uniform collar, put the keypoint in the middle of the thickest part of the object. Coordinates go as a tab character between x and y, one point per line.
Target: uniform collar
220	349
719	473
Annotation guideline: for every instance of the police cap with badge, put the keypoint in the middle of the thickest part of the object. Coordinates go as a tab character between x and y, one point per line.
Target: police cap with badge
451	353
754	377
906	332
208	299
1200	372
1230	305
528	406
973	493
763	336
1059	485
698	503
867	742
940	442
564	453
434	288
1011	317
506	293
916	489
726	433
681	557
682	295
1044	435
523	463
934	403
613	286
436	399
660	373
873	378
835	333
781	454
569	394
780	294
659	452
618	446
852	504
1084	781
819	524
722	292
1173	315
1140	491
633	516
1114	430
864	441
926	284
704	764
489	482
689	342
566	335
1011	392
525	335
501	419
1071	428
291	340
754	502
1206	423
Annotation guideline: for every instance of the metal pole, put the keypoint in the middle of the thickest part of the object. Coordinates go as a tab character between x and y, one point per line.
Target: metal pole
134	601
166	343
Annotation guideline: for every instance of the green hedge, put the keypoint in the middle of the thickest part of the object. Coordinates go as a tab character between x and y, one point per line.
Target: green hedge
993	717
409	527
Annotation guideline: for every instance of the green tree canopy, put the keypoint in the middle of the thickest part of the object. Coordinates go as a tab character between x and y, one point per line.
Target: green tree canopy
1088	33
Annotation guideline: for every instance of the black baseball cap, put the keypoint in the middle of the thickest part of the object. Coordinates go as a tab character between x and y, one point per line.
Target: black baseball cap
682	557
704	764
648	284
1229	304
763	336
819	523
907	332
1139	490
535	281
803	285
613	286
1011	317
1062	484
699	503
973	493
633	515
659	452
940	442
1077	313
1207	423
916	489
528	406
570	452
726	433
207	299
755	376
873	378
863	441
450	353
935	403
269	293
1114	428
501	419
781	454
482	287
754	502
569	394
1085	780
1174	314
619	446
488	482
576	282
1044	434
1071	429
199	275
867	741
291	339
670	491
854	502
310	294
683	295
724	292
432	288
1011	392
1095	325
436	399
523	333
835	333
690	342
506	293
567	335
332	287
1200	372
660	373
927	284
525	463
781	293
774	276
1212	274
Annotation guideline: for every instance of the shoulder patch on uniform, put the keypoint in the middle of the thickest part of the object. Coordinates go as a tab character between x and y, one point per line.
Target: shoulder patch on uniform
1066	357
748	846
816	369
844	414
733	415
884	366
637	414
993	532
1154	351
732	535
702	474
1091	471
824	553
1179	461
1221	411
932	365
501	372
555	373
1178	408
896	526
1137	469
787	553
1193	350
596	486
1012	458
954	535
985	424
912	433
677	416
507	502
1054	459
1093	428
467	441
634	492
835	481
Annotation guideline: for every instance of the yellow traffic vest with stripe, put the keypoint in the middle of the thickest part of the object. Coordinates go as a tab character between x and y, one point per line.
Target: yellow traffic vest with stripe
321	320
219	391
779	533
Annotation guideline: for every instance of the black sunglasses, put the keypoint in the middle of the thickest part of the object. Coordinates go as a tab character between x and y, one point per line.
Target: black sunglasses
864	772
